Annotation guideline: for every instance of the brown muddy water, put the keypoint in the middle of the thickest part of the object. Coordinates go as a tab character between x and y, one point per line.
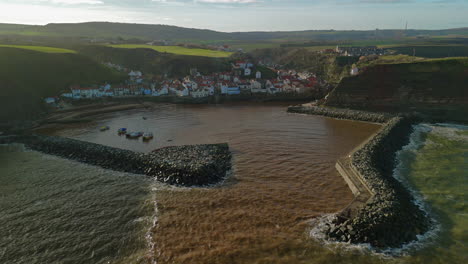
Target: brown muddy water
283	175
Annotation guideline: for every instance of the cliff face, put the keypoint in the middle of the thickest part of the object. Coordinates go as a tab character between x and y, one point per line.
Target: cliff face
408	86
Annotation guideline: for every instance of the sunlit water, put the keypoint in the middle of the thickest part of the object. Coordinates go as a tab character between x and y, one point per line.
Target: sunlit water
435	164
283	176
54	210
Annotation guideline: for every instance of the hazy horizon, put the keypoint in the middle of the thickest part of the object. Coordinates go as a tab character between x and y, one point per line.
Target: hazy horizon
245	15
292	30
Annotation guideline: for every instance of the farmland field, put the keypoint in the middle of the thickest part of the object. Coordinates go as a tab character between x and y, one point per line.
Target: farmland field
432	51
39	48
178	50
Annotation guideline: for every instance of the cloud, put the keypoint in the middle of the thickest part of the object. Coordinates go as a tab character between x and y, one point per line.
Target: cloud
209	1
385	1
74	2
228	1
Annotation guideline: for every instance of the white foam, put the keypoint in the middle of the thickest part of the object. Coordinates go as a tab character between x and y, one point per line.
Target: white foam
417	140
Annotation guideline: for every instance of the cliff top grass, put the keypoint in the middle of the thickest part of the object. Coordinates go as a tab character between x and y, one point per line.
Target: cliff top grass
435	87
39	48
178	50
403	59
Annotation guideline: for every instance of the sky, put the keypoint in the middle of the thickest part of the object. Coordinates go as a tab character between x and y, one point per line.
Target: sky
245	15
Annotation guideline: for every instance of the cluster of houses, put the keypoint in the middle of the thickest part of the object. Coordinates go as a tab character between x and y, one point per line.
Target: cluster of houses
360	51
242	79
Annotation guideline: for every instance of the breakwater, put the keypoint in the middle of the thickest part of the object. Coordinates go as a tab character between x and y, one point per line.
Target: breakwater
383	214
194	165
341	113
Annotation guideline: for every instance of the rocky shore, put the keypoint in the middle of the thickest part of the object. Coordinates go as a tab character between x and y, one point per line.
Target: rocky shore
390	218
341	113
189	165
185	165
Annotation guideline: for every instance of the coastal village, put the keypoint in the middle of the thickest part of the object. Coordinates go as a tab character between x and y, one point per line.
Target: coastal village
243	79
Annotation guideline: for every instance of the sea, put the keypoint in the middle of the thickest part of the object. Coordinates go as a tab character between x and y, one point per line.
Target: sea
54	210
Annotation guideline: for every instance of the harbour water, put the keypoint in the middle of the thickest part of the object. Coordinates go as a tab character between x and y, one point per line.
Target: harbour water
283	176
54	210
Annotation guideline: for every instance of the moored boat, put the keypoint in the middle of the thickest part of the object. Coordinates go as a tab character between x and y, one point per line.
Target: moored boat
104	128
148	136
122	131
134	134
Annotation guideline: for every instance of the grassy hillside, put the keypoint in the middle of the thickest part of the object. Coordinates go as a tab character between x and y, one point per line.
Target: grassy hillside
39	48
164	32
426	85
151	61
326	66
178	50
431	51
28	76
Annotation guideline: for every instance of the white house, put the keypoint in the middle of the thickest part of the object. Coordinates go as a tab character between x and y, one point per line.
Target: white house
163	91
225	76
191	85
135	74
79	93
229	88
244	86
354	71
247	72
67	95
209	88
121	91
49	100
180	92
256	87
106	87
258	75
200	93
223	87
241	64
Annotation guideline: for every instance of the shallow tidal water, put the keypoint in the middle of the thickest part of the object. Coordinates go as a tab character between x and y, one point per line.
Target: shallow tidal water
283	176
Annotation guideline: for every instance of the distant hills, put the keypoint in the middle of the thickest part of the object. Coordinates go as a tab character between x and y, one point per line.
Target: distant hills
166	32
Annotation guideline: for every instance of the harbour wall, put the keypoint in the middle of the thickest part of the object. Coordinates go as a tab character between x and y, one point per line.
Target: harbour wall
383	213
194	165
341	113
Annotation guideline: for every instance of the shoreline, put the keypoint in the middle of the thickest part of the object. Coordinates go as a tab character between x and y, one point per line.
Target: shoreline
84	112
80	113
383	213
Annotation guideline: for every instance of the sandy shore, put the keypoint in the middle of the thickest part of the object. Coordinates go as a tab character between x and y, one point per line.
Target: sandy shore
82	113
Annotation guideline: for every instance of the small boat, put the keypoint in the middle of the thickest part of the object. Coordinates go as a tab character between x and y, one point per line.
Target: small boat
148	136
122	131
144	118
104	128
134	134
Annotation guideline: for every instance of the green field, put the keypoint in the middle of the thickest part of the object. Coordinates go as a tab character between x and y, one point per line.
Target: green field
40	48
433	51
178	50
